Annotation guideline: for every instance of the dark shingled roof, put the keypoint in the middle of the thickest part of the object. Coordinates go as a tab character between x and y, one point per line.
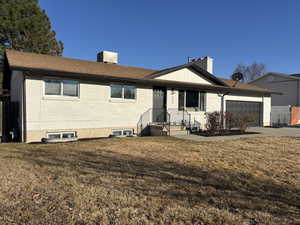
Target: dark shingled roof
27	60
60	65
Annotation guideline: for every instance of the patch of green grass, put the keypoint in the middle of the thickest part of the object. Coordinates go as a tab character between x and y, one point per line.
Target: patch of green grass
149	180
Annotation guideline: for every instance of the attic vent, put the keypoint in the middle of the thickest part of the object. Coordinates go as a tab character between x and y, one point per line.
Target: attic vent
108	57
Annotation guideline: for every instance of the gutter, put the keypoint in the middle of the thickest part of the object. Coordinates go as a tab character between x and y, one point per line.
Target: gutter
174	84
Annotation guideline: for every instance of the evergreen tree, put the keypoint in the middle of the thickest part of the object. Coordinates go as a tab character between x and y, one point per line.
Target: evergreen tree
25	26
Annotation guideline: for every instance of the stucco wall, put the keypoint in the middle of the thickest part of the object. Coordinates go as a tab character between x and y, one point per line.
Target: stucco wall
288	87
94	109
184	75
95	114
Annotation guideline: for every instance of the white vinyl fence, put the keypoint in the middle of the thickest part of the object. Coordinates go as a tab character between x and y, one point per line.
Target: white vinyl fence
280	115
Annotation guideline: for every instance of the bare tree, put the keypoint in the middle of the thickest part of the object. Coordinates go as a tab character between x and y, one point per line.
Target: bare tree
251	72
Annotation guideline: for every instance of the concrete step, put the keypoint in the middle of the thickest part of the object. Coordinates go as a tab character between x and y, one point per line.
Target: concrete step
176	128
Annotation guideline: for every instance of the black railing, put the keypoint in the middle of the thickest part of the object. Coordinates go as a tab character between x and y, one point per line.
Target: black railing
180	118
165	118
156	116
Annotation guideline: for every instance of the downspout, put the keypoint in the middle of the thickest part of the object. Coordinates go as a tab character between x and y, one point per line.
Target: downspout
223	122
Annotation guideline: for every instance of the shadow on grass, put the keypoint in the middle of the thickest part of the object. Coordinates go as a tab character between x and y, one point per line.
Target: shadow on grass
222	188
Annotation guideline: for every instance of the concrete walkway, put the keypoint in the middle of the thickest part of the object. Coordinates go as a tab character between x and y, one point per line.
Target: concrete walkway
262	132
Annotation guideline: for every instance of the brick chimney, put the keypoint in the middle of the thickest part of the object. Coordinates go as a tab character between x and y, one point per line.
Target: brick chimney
205	63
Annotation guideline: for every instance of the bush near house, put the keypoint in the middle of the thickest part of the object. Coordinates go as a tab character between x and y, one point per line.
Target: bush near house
214	122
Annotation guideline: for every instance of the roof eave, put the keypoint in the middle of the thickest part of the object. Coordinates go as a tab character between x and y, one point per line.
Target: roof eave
192	65
94	77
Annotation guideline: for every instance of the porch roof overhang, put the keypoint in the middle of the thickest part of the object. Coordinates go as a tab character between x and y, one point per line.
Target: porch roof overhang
144	81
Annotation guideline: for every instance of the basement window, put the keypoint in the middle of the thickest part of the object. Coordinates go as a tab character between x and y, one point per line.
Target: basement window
122	91
118	133
192	100
54	136
61	135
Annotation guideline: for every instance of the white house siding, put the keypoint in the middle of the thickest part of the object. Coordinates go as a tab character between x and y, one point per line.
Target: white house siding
16	97
288	87
267	111
93	114
172	99
184	75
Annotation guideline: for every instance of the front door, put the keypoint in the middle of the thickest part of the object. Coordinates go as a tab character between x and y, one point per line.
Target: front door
159	104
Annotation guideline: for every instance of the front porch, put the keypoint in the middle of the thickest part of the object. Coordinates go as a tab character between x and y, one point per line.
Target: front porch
167	122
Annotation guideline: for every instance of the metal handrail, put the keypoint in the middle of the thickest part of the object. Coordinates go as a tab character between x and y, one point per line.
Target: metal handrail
170	117
180	117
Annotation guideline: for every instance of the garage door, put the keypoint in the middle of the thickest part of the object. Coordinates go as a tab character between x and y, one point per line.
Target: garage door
246	107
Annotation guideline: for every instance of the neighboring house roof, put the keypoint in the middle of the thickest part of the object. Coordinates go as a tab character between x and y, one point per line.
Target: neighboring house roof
241	85
38	64
283	75
295	75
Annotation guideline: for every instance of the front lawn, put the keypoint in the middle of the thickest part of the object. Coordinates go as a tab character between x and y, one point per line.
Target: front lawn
159	180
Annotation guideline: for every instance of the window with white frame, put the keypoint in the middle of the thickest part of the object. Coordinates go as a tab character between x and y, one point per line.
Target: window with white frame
61	135
127	132
56	87
122	91
192	100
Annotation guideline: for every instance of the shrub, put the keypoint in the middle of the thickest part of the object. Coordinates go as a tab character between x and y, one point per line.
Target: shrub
238	120
213	122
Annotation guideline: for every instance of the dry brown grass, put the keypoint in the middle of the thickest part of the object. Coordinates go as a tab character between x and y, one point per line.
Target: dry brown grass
151	181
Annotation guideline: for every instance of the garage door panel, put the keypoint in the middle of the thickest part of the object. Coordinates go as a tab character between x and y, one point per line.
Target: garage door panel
254	108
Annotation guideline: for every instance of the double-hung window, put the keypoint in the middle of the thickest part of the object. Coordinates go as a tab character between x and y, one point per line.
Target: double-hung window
55	87
192	100
123	91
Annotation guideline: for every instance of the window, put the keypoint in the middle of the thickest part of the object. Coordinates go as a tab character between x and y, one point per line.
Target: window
69	135
117	133
61	135
181	100
202	105
52	87
122	132
62	87
116	91
123	91
53	136
129	92
192	100
70	88
127	132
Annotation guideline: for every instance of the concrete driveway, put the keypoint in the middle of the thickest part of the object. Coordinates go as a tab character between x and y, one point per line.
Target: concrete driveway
262	132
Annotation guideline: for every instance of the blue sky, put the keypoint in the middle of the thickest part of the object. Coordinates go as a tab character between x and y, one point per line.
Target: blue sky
159	34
